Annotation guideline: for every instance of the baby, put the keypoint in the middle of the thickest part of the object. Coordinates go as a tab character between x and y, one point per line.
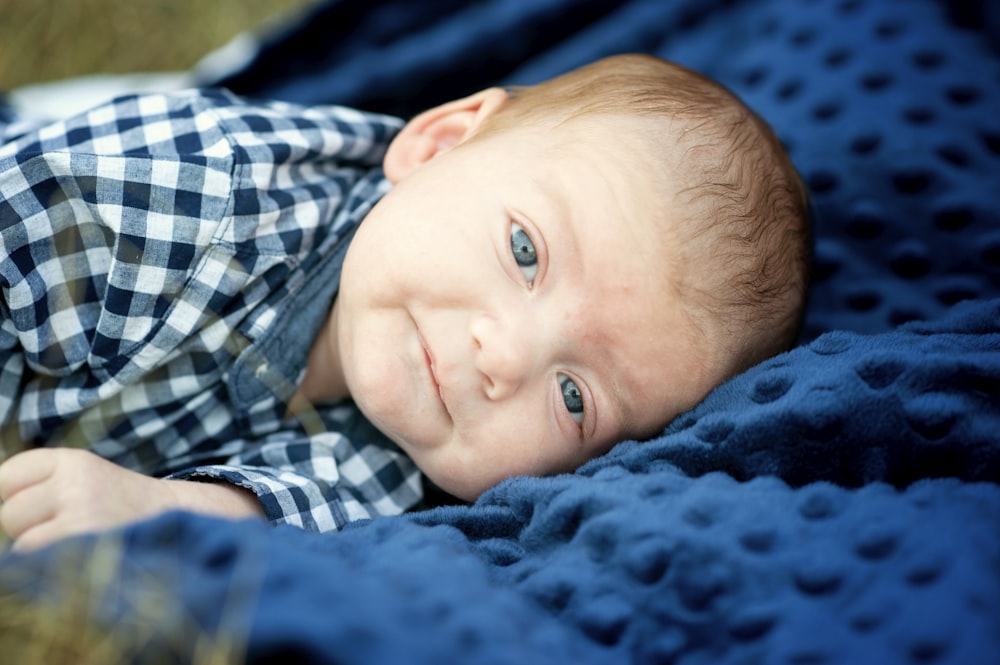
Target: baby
554	269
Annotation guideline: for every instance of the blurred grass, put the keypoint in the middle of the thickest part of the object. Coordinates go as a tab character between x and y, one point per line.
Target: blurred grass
42	40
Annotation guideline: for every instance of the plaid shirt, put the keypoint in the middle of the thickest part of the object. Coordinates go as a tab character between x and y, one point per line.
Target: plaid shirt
166	263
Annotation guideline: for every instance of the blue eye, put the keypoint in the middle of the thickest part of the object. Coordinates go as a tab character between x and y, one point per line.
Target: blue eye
524	252
572	397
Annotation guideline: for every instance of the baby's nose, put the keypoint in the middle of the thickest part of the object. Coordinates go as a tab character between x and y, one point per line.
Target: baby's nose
504	354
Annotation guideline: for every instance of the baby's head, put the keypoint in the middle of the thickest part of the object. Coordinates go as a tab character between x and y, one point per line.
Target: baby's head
565	266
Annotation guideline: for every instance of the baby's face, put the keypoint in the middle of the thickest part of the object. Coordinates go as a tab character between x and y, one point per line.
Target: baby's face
502	310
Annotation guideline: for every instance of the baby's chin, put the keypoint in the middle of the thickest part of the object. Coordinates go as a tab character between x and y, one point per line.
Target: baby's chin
462	490
438	463
434	452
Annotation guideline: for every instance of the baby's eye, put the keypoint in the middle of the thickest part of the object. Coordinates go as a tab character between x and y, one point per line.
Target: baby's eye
524	252
572	397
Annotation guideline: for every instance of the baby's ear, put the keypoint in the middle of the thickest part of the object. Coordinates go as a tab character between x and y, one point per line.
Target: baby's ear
438	130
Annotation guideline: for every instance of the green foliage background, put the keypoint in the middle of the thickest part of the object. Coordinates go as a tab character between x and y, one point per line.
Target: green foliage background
42	40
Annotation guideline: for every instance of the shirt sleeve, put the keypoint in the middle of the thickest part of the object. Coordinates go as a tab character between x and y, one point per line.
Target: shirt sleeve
320	482
104	218
11	373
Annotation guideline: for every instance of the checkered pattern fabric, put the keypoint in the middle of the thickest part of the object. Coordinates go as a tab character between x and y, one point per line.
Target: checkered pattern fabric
165	263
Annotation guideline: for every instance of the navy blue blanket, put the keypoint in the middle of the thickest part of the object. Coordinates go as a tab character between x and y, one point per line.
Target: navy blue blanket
838	503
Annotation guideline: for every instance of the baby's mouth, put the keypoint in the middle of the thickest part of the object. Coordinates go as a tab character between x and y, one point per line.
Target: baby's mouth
429	358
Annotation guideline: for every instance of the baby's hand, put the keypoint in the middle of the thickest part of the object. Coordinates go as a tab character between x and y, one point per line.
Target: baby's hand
51	493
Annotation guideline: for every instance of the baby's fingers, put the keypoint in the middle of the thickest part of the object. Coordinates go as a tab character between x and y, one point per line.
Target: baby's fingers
25	470
38	536
26	512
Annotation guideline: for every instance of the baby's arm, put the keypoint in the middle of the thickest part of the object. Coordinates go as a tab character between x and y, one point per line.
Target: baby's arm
52	493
